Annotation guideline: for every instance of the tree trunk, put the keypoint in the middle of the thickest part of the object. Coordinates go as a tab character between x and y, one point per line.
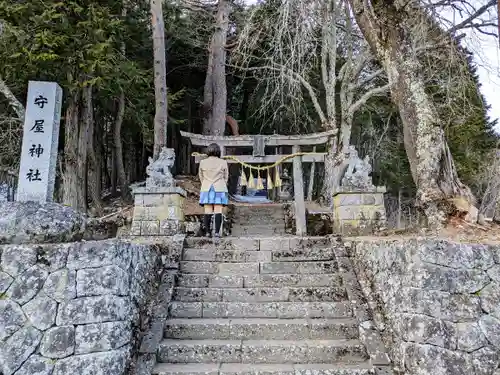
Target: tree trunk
118	147
387	26
93	165
215	96
160	81
75	173
208	92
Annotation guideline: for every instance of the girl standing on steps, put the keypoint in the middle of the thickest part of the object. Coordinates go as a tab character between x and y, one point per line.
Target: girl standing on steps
214	174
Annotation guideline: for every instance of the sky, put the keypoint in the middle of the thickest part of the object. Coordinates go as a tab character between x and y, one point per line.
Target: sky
487	57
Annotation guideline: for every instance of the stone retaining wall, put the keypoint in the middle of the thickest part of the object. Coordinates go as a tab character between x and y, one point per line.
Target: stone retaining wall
438	303
79	308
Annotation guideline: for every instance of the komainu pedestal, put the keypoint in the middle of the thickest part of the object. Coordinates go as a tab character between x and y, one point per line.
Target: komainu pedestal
358	204
159	206
359	212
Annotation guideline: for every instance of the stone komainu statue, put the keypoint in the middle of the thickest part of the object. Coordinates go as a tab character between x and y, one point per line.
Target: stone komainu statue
158	171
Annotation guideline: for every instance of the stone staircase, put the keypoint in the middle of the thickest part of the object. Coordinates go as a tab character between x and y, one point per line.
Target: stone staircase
258	220
255	307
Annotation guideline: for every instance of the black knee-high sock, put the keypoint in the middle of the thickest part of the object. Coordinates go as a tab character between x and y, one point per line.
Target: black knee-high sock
218	223
207	220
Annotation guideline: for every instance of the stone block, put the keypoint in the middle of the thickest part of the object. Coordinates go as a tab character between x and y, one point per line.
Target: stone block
102	337
296	280
424	330
317	294
240	310
150	228
298	267
348	199
135	228
5	282
198	294
429	276
199	267
61	285
41	311
54	256
138	200
203	351
457	255
238	268
17	349
171	227
236	256
260	369
58	342
93	310
94	254
470	336
321	351
197	329
275	244
225	281
306	254
36	365
193	281
102	280
27	285
36	222
164	294
490	327
106	363
153	336
17	258
11	318
186	309
255	295
152	200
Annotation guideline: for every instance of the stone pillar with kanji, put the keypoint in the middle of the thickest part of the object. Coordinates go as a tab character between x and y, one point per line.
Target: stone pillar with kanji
37	172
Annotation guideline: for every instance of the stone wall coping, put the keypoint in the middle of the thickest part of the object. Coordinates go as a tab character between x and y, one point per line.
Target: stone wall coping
160	190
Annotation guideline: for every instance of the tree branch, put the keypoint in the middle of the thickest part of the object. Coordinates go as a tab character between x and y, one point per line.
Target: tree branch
367	95
302	80
472	17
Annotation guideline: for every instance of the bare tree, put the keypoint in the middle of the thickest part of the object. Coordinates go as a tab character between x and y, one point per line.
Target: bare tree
286	69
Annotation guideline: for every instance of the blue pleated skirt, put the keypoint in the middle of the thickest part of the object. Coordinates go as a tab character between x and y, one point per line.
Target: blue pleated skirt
214	197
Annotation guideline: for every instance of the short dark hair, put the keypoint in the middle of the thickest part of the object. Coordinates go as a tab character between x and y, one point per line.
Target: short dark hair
213	150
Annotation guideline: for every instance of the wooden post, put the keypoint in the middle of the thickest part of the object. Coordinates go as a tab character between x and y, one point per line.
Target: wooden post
310	188
298	189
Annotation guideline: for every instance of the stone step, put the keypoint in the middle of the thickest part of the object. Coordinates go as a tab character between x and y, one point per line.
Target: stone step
248	268
283	294
244	256
282	310
254	328
255	281
261	351
244	229
226	243
261	369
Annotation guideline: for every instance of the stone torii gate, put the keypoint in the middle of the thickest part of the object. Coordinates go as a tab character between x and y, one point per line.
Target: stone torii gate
258	144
